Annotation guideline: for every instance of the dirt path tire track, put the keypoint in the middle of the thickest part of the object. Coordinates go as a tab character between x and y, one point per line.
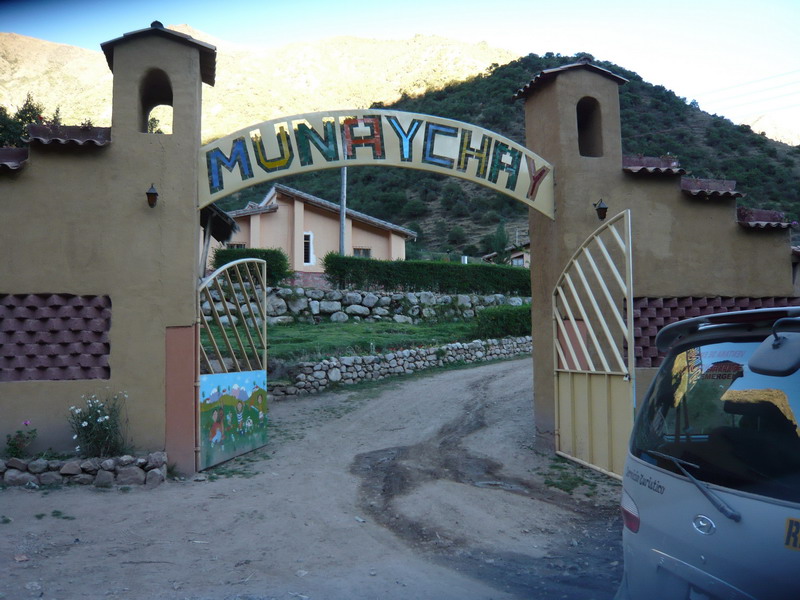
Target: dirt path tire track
566	572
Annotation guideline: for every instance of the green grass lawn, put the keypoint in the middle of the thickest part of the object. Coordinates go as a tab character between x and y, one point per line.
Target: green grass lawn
302	341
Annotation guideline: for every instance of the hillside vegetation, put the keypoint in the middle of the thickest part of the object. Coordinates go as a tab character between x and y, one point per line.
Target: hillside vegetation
453	215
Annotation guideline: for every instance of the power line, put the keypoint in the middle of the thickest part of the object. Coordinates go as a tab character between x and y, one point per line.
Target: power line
731	87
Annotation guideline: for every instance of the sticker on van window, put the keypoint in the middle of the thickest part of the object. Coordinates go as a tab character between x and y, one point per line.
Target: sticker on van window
645	481
792	539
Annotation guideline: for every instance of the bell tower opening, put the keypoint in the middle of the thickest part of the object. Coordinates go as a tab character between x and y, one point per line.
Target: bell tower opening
155	95
590	127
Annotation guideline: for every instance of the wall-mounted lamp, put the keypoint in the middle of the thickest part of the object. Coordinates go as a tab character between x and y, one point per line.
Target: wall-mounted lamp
601	208
152	196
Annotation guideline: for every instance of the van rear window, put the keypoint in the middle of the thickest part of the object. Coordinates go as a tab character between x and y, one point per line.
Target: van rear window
733	427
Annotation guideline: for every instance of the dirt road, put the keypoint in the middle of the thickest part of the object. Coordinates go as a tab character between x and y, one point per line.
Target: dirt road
423	488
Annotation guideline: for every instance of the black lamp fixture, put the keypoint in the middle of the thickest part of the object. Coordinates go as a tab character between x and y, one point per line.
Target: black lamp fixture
152	196
601	208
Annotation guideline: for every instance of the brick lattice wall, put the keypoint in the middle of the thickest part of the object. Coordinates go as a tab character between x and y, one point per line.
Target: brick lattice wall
52	337
651	314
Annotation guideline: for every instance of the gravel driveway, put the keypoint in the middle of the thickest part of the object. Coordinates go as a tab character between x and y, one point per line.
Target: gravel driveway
426	487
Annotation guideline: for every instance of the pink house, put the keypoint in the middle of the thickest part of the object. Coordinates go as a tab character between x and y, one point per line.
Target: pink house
307	228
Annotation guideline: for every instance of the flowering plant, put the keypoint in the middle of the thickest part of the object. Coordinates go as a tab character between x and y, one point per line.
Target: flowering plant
21	439
98	427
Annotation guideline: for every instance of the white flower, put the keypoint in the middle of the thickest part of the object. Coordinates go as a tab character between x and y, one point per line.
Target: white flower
77	410
75	437
84	424
77	448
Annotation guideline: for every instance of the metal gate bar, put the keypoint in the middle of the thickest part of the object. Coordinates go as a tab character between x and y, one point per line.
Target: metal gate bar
594	350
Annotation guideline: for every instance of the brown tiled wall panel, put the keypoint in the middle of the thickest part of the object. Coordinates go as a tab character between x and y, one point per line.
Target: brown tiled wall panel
53	337
651	314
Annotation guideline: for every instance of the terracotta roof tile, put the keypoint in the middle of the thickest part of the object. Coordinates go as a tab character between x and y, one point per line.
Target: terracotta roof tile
662	165
544	77
710	188
69	134
759	218
208	53
13	159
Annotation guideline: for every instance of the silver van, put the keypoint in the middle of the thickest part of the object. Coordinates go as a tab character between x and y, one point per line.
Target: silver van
711	489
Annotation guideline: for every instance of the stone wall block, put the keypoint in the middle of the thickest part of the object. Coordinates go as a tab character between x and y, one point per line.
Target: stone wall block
20	464
330	306
16	477
156	460
37	466
51	478
90	465
154	478
130	476
71	467
297	305
104	478
352	298
275	306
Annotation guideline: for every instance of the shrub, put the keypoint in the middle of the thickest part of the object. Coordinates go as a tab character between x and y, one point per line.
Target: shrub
19	441
502	321
418	275
276	259
98	427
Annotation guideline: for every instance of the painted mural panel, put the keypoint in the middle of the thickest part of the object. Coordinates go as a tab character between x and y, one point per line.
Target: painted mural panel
233	415
315	141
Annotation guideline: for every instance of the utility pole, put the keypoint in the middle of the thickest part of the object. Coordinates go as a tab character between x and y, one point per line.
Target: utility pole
342	210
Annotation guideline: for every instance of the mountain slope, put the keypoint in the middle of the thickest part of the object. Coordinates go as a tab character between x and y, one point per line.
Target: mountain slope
253	84
471	83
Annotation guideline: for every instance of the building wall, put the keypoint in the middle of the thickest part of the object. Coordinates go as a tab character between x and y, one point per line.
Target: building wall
681	246
286	227
77	222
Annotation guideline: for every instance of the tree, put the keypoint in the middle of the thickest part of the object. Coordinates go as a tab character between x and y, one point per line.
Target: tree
457	236
12	127
499	245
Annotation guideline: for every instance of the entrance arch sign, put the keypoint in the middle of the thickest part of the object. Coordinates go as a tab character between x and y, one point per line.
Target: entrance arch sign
326	140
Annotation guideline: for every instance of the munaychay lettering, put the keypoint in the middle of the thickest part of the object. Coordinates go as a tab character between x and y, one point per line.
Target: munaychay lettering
370	137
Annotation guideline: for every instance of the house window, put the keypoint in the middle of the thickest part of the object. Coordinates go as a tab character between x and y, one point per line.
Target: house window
518	261
362	252
308	248
236	245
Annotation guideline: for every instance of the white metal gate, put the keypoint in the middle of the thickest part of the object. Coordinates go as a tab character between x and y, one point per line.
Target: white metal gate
232	396
593	332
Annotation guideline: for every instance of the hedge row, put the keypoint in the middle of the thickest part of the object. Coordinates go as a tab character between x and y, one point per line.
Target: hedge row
276	259
419	275
503	321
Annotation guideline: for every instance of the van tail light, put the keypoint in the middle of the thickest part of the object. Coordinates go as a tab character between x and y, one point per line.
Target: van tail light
630	514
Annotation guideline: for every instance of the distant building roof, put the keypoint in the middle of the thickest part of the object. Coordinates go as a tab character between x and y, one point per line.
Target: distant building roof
662	165
221	223
549	75
268	205
710	188
68	134
208	53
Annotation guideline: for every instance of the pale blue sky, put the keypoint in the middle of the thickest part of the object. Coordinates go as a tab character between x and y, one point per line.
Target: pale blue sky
734	57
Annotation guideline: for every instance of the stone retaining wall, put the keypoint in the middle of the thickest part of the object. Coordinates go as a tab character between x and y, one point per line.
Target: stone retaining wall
310	377
149	471
287	305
